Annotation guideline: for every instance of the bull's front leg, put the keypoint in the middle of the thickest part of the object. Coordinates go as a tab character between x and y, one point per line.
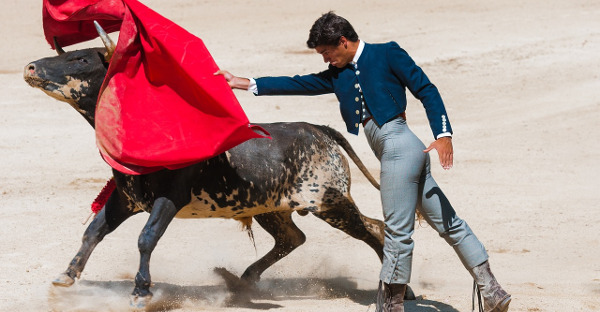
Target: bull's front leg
162	214
102	225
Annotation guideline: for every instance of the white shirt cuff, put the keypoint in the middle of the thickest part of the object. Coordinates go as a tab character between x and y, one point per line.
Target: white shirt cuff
445	134
252	87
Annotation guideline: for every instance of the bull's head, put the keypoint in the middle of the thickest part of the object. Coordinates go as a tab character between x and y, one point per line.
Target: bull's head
74	77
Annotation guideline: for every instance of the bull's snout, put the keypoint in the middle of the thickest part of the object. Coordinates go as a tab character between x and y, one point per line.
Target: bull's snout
31	75
29	70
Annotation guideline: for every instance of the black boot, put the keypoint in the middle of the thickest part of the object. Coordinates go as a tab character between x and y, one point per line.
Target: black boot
390	297
495	299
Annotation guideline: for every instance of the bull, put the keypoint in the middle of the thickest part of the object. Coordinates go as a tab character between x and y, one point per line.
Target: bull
302	169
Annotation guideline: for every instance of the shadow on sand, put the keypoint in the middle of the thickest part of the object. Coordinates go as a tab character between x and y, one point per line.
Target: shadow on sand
114	295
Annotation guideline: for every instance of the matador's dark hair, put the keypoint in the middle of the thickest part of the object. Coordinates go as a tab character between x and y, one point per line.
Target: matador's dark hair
328	29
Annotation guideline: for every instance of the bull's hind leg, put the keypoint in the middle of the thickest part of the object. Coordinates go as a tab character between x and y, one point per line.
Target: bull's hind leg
163	212
287	238
107	220
341	213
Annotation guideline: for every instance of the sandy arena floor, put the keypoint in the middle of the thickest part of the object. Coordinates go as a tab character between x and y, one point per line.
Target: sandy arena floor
521	82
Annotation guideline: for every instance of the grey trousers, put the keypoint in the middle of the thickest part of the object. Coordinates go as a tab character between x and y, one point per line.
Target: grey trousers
407	185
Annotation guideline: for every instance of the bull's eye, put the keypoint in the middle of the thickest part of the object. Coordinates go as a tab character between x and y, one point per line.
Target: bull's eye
83	60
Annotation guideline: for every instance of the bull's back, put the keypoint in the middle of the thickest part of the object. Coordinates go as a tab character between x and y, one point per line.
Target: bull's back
293	170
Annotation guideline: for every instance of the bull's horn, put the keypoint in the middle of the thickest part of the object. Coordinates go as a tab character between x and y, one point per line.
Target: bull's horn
57	47
108	43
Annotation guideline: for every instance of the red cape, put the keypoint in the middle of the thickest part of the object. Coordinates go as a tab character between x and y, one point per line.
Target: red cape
160	105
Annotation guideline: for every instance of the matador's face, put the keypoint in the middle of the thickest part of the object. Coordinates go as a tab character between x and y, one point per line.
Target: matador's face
336	55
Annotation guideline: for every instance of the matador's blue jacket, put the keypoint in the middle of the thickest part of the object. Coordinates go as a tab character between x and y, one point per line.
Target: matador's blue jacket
384	72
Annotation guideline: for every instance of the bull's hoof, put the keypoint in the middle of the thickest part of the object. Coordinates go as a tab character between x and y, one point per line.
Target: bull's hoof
242	290
138	302
234	283
63	280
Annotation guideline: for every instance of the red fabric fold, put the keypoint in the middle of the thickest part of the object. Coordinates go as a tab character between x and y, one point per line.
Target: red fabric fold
72	21
160	105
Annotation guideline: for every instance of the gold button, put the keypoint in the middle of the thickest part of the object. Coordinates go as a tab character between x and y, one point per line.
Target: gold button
357	112
356	125
356	86
356	99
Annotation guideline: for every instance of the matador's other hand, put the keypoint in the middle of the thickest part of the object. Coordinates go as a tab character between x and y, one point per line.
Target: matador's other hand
444	148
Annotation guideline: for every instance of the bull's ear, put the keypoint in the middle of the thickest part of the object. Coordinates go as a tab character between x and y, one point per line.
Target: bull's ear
103	59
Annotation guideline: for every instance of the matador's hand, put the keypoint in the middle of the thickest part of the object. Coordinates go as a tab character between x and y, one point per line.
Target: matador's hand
233	81
444	148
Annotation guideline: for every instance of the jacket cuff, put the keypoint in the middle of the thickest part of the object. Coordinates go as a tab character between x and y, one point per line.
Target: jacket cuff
444	134
252	87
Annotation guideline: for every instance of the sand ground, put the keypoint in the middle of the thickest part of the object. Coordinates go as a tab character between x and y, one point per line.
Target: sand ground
521	82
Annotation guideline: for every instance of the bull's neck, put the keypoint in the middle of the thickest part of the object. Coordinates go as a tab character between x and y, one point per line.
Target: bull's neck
88	109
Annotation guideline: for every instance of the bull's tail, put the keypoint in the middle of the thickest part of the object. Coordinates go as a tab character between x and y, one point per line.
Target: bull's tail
341	141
